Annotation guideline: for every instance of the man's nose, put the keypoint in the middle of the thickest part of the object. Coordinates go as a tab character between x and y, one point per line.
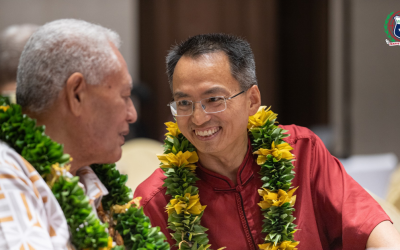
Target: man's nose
132	114
199	116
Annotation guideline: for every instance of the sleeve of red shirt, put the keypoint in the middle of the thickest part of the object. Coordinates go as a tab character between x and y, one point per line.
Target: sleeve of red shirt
347	212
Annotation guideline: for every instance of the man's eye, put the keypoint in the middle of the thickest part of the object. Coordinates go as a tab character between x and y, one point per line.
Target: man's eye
215	99
183	103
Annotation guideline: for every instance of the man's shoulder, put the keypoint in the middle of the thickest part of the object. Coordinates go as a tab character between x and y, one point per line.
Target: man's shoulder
151	187
5	149
298	133
13	163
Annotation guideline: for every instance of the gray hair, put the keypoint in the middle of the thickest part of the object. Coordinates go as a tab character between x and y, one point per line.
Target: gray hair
56	51
12	42
241	58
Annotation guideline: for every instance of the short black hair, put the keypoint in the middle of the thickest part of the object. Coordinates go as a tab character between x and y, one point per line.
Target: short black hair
241	58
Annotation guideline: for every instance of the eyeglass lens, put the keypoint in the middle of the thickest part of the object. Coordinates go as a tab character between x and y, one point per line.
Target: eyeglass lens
209	105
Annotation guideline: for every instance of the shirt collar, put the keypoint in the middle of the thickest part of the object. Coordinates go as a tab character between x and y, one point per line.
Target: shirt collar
220	182
94	189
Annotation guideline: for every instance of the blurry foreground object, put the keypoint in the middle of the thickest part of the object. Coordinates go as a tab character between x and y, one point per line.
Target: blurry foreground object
393	195
12	43
390	209
139	160
372	172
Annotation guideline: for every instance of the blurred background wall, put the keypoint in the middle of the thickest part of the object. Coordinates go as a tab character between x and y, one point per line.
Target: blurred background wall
323	64
119	15
364	90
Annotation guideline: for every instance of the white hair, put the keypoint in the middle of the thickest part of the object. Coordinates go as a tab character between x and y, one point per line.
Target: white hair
56	51
12	42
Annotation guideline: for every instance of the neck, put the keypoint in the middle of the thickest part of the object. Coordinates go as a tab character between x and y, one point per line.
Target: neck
228	162
59	129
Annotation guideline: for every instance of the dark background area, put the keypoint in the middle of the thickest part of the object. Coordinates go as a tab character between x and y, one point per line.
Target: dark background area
289	40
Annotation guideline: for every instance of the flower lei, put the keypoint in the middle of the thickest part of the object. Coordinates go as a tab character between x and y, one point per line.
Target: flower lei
277	199
124	224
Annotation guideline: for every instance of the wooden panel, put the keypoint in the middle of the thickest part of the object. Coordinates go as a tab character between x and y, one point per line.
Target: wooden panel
303	86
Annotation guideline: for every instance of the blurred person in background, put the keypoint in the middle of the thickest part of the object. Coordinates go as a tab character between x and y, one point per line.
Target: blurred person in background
214	86
12	42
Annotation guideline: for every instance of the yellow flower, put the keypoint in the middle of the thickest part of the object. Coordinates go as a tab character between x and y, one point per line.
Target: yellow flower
56	172
189	204
276	199
121	209
4	108
172	128
285	245
136	201
279	152
260	118
178	160
109	244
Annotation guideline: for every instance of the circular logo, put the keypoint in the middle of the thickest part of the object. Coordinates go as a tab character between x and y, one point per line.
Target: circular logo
392	26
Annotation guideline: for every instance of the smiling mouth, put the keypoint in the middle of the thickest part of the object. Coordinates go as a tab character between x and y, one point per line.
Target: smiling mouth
207	133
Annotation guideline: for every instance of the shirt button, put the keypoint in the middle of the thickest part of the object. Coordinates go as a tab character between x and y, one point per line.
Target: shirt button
239	188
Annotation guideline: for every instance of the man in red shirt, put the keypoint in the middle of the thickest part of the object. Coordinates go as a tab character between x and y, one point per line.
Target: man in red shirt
332	210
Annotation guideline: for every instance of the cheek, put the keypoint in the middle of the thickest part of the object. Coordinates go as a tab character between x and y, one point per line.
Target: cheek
115	112
182	125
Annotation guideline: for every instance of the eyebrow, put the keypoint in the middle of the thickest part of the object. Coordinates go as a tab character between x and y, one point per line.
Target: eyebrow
212	90
180	94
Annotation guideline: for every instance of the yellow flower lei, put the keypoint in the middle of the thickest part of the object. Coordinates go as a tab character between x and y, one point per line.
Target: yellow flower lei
275	159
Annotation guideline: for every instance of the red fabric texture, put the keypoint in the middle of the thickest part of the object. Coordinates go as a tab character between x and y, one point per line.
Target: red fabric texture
333	211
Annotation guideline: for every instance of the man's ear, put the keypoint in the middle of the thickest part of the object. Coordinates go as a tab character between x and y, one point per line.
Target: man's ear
75	88
254	99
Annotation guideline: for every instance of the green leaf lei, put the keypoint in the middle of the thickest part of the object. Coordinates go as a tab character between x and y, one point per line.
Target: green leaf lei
133	225
277	174
88	232
180	183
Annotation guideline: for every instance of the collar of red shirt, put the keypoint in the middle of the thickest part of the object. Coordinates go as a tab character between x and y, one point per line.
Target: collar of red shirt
220	182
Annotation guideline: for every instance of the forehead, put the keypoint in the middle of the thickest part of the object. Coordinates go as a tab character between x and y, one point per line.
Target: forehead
121	76
196	75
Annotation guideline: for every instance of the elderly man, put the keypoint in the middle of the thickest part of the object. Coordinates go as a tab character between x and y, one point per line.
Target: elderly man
12	42
332	210
73	80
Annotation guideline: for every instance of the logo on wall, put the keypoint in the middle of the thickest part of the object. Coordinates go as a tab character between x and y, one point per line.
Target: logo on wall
392	29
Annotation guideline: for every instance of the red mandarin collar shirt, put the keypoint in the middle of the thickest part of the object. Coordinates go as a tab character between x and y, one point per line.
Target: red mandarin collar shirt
332	210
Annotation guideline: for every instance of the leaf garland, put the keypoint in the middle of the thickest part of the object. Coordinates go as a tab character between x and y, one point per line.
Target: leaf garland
184	210
276	172
137	232
131	222
114	181
46	156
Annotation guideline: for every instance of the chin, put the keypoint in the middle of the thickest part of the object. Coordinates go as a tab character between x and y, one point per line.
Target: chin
116	156
206	147
109	158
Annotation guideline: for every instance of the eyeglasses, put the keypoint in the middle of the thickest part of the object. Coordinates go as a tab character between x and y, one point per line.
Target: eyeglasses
213	104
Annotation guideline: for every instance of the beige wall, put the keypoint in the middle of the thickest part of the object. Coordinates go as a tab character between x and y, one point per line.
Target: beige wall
119	15
375	80
373	75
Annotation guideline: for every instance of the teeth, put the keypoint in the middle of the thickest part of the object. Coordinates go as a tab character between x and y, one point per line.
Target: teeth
207	132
